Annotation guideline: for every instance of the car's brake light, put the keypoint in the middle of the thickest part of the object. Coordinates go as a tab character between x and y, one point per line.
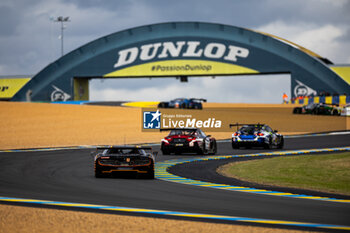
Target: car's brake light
104	157
236	134
259	134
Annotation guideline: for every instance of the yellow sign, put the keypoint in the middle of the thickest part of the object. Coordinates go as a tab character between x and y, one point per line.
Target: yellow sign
181	67
10	86
343	72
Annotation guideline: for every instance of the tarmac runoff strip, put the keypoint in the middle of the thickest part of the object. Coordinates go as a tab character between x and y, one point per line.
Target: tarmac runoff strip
174	213
163	174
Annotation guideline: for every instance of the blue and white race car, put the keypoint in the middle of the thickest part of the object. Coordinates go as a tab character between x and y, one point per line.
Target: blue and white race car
185	103
256	135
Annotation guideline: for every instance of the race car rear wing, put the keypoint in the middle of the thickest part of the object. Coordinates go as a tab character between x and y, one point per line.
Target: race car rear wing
102	148
123	147
202	100
237	125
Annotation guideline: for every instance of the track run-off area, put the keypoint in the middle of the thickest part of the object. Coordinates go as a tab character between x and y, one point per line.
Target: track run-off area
186	186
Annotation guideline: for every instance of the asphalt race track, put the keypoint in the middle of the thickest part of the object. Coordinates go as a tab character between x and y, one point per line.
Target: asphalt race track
67	176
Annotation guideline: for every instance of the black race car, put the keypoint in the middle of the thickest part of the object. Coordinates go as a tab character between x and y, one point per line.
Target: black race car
306	109
259	135
184	103
318	109
188	140
132	159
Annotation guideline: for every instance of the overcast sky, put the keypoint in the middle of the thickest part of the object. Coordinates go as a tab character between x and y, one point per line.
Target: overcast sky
29	39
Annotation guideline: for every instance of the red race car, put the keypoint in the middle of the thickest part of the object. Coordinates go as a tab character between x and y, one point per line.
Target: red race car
188	140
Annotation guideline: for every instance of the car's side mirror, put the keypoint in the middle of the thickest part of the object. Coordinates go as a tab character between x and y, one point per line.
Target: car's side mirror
275	131
209	135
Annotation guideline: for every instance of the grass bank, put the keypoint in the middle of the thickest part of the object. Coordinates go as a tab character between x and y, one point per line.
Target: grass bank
326	173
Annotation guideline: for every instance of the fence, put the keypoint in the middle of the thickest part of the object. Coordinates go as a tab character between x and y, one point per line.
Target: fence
337	99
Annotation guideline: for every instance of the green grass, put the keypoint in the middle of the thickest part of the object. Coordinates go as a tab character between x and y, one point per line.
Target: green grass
327	173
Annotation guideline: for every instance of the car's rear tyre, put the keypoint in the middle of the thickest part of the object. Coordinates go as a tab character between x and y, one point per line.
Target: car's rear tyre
281	144
335	112
164	149
163	105
297	110
98	172
165	152
150	174
235	146
268	144
200	151
215	148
